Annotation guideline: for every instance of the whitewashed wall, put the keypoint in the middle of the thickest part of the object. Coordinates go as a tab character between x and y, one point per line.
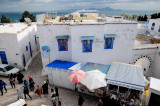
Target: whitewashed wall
47	35
157	24
9	44
26	36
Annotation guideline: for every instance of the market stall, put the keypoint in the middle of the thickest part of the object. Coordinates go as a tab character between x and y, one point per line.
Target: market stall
127	82
94	83
58	72
153	94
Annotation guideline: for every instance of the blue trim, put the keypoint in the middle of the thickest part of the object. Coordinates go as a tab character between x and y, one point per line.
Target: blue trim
87	37
62	37
109	35
125	83
26	48
3	57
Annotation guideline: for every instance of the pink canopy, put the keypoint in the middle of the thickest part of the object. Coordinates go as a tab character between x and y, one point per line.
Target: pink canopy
76	76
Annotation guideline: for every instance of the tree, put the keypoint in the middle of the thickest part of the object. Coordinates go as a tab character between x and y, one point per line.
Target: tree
26	14
145	18
4	19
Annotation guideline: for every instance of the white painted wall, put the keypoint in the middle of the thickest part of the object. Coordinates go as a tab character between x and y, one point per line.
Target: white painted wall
24	38
121	52
157	24
10	45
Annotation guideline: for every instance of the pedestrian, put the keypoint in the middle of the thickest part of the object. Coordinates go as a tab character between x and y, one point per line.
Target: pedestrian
53	96
1	88
31	83
3	84
80	100
56	89
26	83
12	80
59	103
100	103
39	90
20	95
45	88
20	77
26	92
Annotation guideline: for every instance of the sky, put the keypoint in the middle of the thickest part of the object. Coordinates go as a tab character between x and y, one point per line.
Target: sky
50	5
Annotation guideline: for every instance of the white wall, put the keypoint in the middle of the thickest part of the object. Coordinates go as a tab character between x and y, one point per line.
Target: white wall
157	25
121	52
26	36
47	35
9	44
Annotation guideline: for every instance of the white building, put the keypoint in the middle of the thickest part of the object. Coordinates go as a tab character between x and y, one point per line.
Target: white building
18	44
154	27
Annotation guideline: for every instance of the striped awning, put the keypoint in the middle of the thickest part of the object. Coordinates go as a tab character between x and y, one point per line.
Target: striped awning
87	37
62	37
126	75
109	35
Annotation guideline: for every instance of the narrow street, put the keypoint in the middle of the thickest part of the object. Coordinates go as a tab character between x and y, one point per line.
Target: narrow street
67	97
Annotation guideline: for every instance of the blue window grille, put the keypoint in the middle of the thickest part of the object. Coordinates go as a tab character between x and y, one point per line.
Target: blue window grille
87	45
109	43
62	44
153	25
35	39
26	48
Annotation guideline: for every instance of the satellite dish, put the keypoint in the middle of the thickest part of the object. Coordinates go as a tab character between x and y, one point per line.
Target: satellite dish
28	20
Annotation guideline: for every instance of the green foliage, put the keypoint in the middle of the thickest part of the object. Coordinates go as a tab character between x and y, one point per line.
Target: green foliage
26	14
142	18
4	19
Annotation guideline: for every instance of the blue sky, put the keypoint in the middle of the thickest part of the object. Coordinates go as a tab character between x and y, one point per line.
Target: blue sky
49	5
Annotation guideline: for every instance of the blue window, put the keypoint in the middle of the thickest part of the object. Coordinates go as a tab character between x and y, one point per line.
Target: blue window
35	39
159	29
153	25
63	44
26	48
87	45
109	43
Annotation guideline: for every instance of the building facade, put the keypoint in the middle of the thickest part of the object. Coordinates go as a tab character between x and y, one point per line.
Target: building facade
18	44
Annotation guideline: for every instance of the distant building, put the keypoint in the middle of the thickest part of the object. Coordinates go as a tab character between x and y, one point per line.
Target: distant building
18	44
154	27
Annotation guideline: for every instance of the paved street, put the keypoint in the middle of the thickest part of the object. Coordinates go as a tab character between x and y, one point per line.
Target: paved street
68	97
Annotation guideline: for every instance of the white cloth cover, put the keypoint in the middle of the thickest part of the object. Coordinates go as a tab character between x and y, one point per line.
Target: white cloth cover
126	75
20	102
155	84
94	80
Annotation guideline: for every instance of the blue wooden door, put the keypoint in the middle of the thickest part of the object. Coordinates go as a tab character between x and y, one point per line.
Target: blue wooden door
30	49
3	57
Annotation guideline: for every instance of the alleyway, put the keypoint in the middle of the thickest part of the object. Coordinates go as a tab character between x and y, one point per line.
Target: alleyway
68	97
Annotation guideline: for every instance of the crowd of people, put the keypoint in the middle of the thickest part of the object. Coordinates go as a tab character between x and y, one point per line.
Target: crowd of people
29	85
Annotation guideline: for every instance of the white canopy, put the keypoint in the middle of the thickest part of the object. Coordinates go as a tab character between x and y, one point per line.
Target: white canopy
126	75
94	80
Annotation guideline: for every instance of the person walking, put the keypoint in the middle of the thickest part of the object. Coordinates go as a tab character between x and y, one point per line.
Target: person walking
26	83
57	93
80	100
39	91
20	95
20	77
3	84
26	92
12	80
31	83
1	88
45	88
53	96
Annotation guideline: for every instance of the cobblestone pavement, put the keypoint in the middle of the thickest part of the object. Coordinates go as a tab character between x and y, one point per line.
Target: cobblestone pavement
68	97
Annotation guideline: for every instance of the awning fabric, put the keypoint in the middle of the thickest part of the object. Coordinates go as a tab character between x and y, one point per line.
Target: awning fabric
109	35
87	37
62	64
94	66
62	37
126	75
155	84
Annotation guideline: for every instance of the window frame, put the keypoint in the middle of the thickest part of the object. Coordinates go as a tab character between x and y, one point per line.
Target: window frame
58	40
91	42
105	40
